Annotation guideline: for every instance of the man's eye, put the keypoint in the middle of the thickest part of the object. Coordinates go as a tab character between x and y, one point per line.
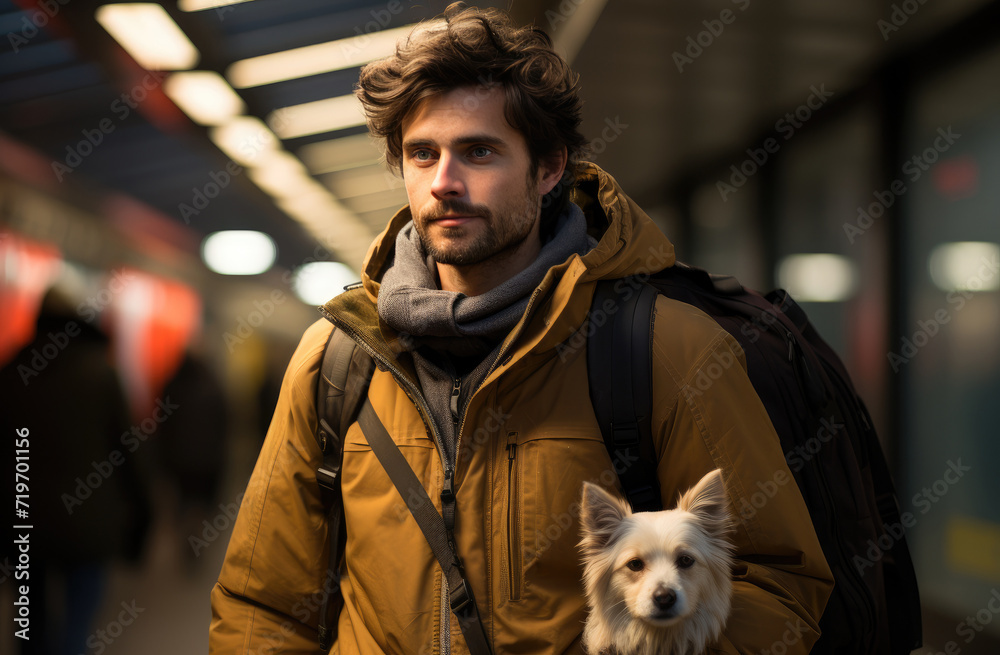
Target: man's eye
480	152
422	155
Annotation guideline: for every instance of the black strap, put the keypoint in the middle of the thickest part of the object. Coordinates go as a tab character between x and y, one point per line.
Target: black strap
463	603
619	368
337	404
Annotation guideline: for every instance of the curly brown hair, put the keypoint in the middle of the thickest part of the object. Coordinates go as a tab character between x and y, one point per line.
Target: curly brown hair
468	46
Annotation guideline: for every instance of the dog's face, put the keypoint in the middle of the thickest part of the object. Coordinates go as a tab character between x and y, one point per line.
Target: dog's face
658	569
661	565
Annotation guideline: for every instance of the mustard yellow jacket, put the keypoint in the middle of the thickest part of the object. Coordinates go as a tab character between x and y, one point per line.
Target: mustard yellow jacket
528	441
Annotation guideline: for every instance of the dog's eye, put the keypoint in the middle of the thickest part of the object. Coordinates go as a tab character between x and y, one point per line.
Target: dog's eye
635	564
685	562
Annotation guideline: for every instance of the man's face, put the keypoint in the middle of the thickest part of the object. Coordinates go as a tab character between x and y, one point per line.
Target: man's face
472	194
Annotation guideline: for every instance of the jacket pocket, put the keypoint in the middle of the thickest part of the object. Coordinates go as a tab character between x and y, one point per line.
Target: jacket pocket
513	516
552	468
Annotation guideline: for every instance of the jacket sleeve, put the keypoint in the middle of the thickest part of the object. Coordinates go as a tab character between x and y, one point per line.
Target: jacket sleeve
271	585
709	416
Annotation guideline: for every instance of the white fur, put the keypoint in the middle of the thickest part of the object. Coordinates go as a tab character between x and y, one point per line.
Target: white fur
625	619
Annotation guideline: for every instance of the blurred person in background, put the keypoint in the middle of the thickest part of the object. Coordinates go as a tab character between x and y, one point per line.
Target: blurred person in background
88	503
190	447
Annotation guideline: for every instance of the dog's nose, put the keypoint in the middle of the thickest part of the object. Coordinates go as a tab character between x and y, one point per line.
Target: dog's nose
664	599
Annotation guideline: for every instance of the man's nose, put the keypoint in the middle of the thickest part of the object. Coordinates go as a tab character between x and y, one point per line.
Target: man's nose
448	177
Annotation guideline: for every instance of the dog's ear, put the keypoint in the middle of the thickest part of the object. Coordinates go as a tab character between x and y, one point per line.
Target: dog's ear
600	515
708	501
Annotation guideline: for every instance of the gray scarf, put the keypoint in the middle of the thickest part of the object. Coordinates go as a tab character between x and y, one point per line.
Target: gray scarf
410	301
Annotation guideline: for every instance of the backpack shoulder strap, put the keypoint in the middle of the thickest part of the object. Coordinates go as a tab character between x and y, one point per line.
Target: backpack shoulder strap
619	370
342	386
433	526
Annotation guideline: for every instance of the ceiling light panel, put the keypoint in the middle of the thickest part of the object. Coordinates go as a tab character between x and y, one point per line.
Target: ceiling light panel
339	154
205	96
200	5
317	117
245	140
150	35
315	59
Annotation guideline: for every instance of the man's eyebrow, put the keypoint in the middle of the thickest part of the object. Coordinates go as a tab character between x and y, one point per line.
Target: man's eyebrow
488	139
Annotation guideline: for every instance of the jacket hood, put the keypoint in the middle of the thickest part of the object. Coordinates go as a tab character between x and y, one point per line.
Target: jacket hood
629	243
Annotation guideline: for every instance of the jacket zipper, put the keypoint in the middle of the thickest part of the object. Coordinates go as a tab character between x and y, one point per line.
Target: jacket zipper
513	520
456	390
511	338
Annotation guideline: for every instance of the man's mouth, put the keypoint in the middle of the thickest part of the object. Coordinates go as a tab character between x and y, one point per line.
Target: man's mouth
454	220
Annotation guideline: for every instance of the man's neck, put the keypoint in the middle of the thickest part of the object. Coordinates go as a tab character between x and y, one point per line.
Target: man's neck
477	279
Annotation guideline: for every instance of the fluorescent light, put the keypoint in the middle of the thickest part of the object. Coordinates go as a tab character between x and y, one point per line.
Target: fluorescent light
238	252
317	282
966	266
204	96
338	154
317	117
378	201
363	181
199	5
281	175
245	140
817	277
148	33
316	59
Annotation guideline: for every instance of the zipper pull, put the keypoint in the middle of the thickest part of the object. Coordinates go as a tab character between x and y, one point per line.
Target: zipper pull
456	389
511	445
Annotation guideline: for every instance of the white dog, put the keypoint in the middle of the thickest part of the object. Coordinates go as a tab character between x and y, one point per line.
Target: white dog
656	582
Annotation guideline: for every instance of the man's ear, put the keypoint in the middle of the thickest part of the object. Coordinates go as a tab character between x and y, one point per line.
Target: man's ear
550	170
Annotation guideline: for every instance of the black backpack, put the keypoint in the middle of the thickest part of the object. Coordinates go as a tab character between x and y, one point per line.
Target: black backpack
842	475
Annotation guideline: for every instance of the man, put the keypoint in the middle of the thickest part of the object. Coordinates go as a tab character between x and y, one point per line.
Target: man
470	298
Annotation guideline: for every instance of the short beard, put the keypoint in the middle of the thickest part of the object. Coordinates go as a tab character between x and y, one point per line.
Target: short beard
504	232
